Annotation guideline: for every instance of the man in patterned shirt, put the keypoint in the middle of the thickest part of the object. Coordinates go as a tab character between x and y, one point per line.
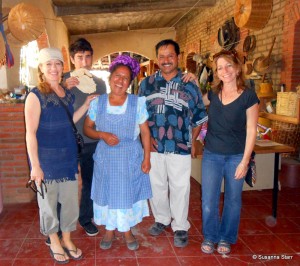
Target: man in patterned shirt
175	112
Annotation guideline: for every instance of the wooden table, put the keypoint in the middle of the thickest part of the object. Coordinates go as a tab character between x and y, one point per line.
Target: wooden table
277	149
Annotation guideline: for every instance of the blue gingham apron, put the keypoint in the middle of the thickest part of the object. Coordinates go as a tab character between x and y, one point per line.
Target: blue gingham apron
118	181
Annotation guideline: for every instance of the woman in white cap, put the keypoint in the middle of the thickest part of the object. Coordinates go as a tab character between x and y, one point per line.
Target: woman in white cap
52	152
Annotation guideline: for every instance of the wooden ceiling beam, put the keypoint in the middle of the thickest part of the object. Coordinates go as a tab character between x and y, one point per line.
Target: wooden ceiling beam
167	6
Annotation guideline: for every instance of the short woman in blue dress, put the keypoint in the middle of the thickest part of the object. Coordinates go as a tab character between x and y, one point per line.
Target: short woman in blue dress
121	184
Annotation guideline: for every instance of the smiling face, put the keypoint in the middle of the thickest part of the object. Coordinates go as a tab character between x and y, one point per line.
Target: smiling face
226	71
168	60
120	80
52	70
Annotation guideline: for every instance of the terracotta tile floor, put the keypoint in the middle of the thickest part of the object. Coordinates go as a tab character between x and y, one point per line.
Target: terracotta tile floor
22	244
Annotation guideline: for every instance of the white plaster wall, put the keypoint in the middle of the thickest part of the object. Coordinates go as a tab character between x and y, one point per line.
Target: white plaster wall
3	80
55	28
141	42
264	171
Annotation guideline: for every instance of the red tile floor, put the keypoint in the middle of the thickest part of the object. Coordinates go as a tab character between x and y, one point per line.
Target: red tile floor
22	244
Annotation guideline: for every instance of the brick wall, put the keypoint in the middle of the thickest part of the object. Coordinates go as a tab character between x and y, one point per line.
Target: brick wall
14	170
201	29
43	41
66	59
291	43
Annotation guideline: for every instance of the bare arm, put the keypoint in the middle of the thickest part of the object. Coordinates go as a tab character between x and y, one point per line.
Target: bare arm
205	99
195	134
83	108
90	131
32	118
252	118
145	135
190	77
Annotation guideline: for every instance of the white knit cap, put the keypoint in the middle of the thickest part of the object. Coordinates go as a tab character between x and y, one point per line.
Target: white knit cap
47	54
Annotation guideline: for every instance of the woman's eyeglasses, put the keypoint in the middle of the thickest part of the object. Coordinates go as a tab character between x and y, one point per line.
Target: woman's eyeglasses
32	185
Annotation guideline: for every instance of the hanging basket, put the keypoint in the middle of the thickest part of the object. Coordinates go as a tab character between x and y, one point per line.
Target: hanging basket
252	14
26	22
13	41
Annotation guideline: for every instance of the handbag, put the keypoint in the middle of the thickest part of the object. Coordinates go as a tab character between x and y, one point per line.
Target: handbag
250	177
78	137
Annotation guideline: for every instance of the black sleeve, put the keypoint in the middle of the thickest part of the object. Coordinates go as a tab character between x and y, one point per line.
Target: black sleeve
251	98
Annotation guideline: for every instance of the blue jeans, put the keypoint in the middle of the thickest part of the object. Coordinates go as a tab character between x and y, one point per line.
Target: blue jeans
215	167
87	166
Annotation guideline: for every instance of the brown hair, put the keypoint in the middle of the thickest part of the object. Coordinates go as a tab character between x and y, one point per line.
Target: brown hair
231	57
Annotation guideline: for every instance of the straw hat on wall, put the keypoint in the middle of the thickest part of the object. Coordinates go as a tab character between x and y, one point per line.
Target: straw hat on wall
263	65
26	22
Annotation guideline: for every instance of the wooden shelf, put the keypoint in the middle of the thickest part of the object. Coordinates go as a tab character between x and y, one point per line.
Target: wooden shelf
281	118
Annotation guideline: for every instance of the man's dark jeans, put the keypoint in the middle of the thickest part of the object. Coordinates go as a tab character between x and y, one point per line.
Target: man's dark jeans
87	166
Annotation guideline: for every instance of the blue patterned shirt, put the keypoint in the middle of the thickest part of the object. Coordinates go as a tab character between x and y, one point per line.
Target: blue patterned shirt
174	108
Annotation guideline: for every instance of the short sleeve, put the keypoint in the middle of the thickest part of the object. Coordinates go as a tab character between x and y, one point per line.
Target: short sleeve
251	98
142	114
92	112
141	91
197	107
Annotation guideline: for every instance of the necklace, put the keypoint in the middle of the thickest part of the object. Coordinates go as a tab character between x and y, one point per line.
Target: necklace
231	96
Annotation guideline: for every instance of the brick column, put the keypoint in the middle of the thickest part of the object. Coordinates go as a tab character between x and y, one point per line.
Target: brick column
43	41
14	170
290	74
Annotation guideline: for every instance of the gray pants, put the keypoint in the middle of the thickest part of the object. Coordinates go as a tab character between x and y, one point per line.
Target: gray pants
66	193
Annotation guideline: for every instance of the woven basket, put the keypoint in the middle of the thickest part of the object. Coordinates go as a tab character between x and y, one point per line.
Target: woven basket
288	134
26	22
287	104
252	14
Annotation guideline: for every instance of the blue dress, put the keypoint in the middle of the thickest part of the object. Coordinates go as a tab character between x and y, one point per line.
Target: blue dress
120	189
57	147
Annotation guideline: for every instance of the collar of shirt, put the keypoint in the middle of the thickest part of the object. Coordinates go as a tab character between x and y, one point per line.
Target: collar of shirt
177	78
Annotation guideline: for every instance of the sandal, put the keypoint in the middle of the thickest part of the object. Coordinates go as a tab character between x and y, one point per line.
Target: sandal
132	245
53	254
68	251
207	246
225	246
107	240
